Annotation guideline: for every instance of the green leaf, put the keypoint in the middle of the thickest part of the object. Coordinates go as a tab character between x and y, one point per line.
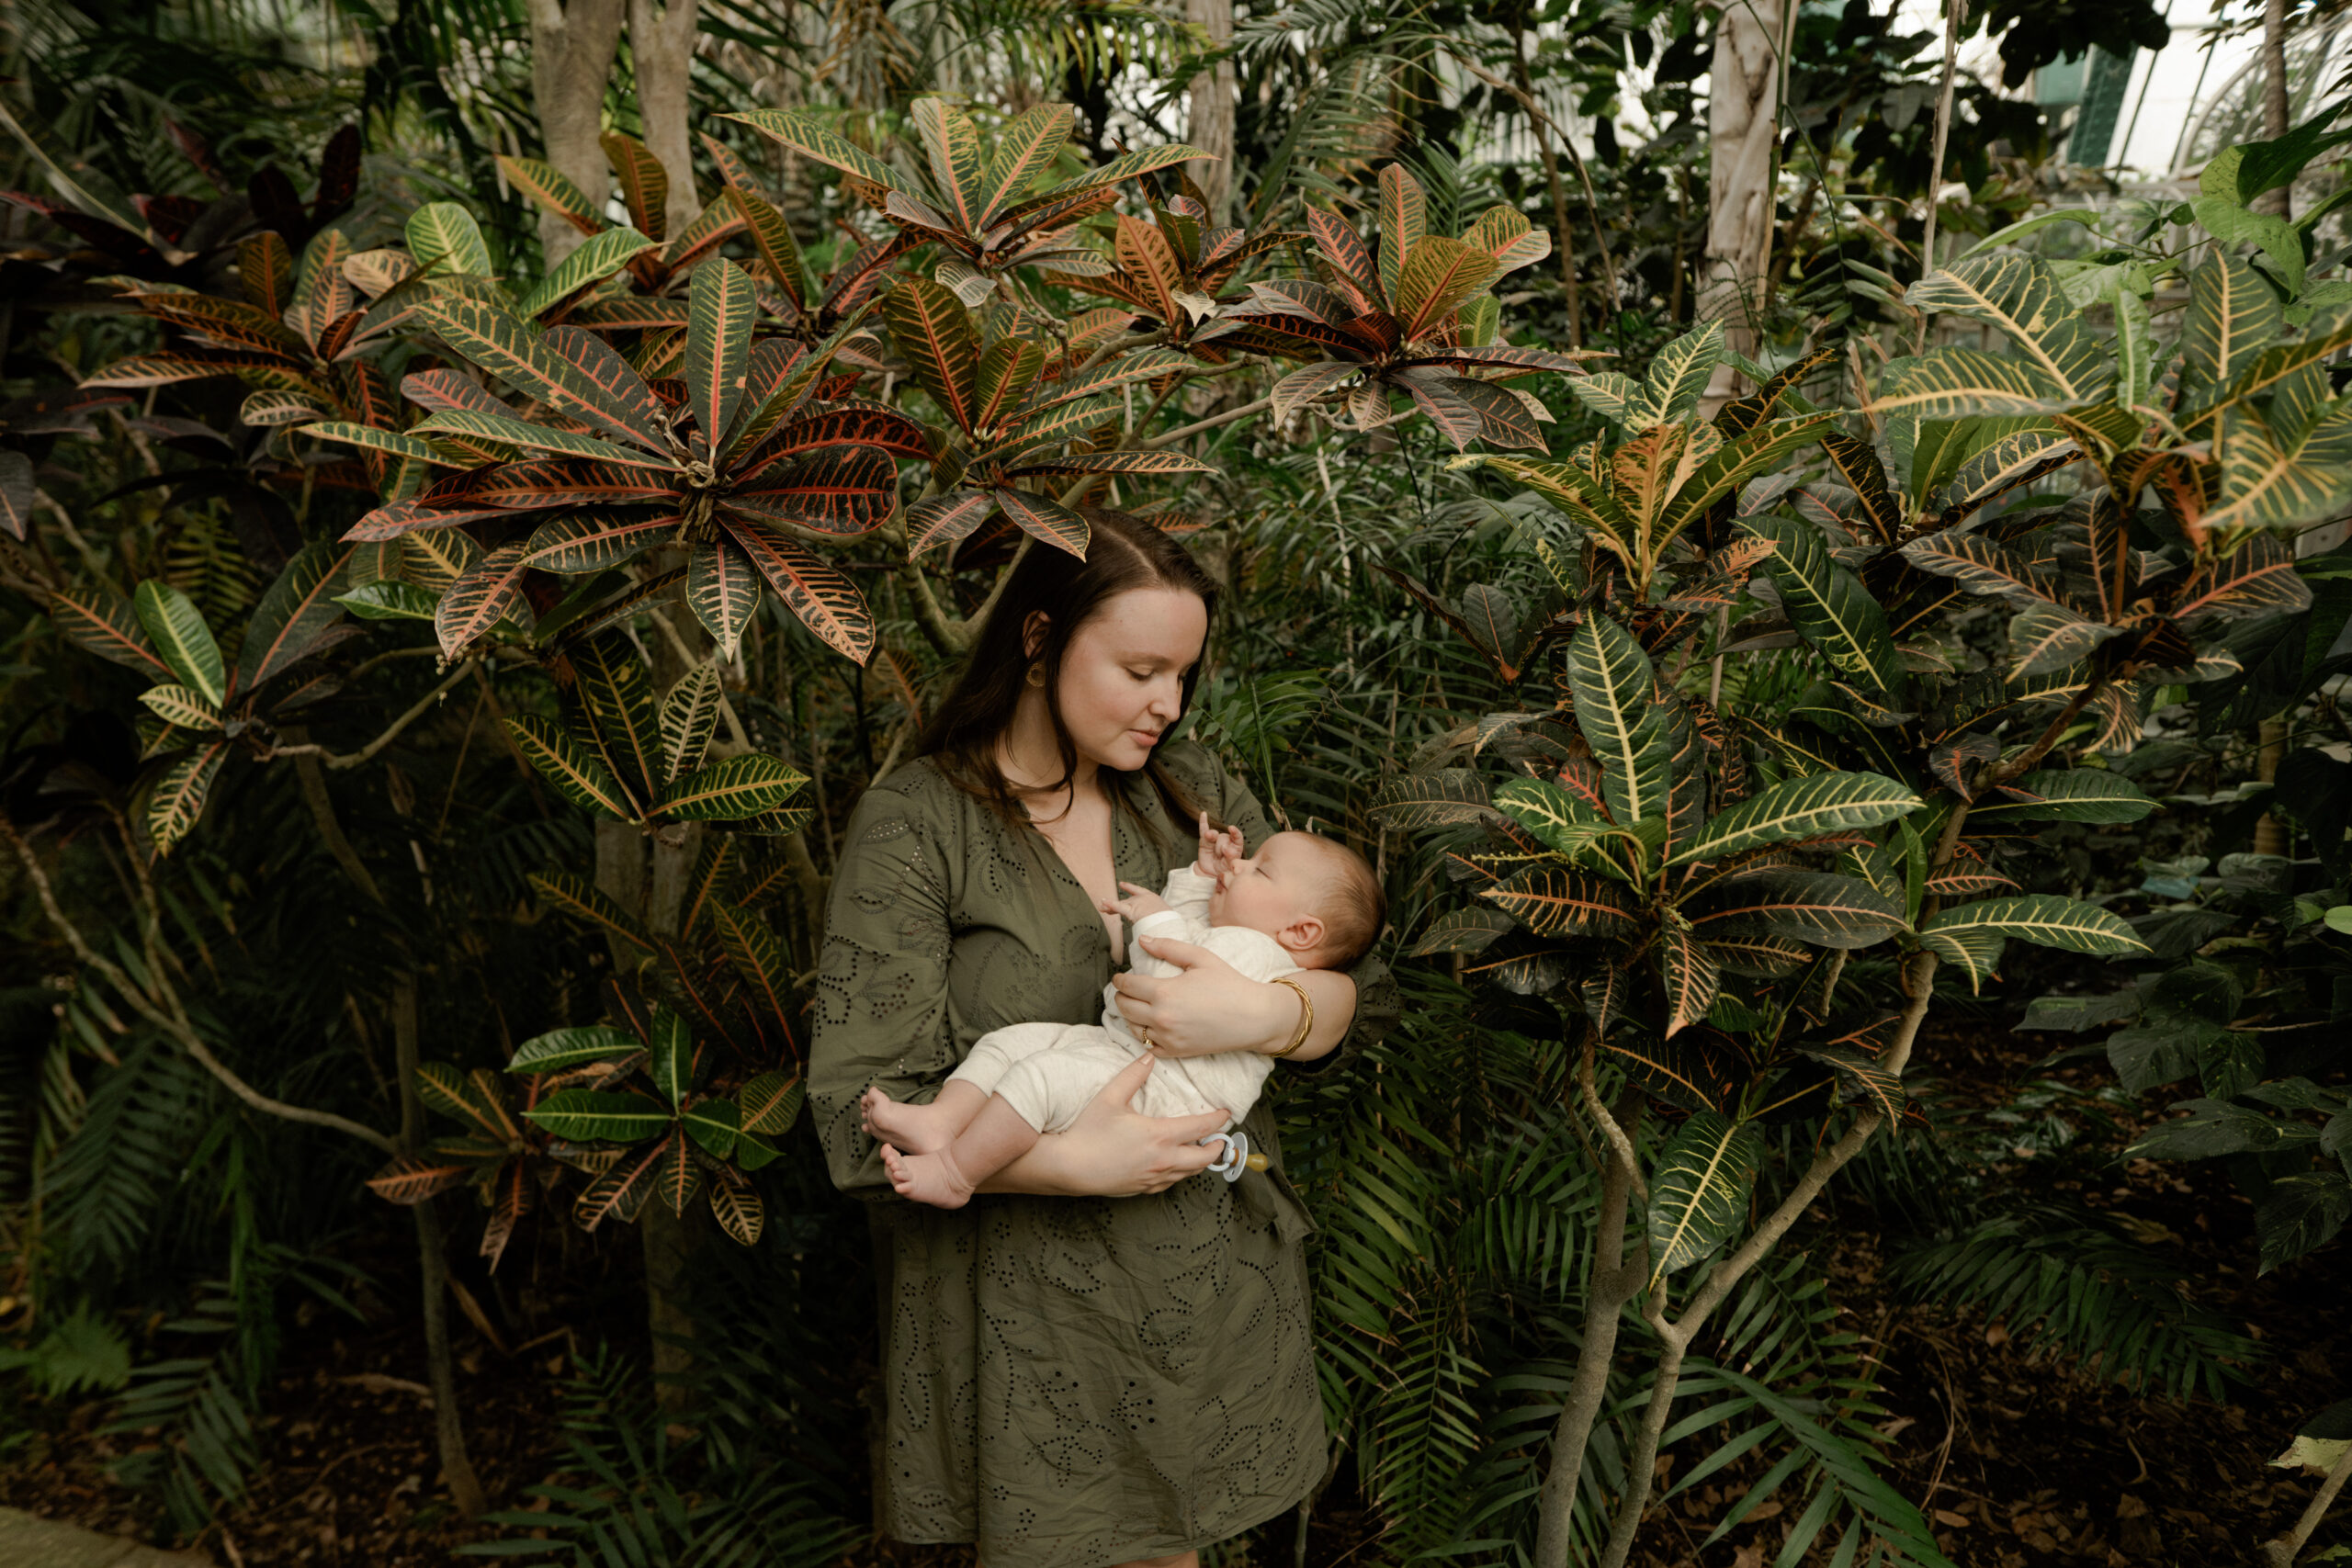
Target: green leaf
2067	794
1816	906
672	1064
615	401
1829	604
179	634
389	599
1566	824
297	607
178	800
720	311
1433	799
179	706
689	717
2043	918
444	238
2303	1213
2276	237
601	256
803	134
737	786
588	1114
770	1102
1678	378
1801	808
2233	312
715	1125
1551	901
580	777
561	1049
514	432
1699	1191
1615	690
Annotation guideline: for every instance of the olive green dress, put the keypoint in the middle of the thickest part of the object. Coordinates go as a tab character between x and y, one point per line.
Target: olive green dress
1067	1381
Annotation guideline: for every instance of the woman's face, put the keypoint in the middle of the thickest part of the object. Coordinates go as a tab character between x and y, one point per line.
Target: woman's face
1122	673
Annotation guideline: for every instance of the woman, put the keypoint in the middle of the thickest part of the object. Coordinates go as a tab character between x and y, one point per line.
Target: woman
1104	1358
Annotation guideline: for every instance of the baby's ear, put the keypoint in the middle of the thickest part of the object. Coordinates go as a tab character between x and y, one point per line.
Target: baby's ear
1304	935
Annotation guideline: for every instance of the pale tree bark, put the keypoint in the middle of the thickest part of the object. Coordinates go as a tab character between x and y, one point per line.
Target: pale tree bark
572	44
1209	122
1743	134
662	39
2270	836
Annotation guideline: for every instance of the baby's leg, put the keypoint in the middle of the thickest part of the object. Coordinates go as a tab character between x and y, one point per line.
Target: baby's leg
922	1129
926	1129
945	1179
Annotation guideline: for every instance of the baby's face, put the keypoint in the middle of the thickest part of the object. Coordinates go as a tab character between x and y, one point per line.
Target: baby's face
1282	882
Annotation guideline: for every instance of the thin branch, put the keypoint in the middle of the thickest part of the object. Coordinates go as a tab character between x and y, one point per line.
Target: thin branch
1955	18
340	760
1173	436
181	1030
1591	203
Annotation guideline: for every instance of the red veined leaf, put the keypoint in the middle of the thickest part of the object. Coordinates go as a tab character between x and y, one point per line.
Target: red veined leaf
827	602
1403	224
165	369
1148	365
1816	908
944	519
609	373
856	280
1352	264
622	1191
411	1179
1551	901
1499	358
723	591
752	949
720	310
866	425
179	796
445	389
735	1204
265	273
645	185
1006	372
231	323
774	382
1046	520
480	598
1745	954
104	624
553	189
1303	386
839	490
771	236
630	312
292	612
511	1196
1691	977
713	225
1144	254
577	896
953	148
477	1098
588	541
403	517
1024	149
501	344
935	331
1113	463
538	485
2259	577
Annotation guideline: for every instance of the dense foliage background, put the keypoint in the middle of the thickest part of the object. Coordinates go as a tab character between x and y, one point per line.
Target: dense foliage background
1852	742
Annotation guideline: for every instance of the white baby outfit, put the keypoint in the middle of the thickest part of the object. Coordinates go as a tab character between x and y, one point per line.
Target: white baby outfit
1048	1072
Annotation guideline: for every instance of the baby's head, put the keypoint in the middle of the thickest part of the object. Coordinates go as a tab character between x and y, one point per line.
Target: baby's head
1315	896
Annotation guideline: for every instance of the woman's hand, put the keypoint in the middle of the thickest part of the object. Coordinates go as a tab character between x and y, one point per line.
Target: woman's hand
1113	1150
1210	1008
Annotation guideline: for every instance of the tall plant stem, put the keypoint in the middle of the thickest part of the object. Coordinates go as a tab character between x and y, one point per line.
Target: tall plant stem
1955	18
432	1258
1526	101
1614	1282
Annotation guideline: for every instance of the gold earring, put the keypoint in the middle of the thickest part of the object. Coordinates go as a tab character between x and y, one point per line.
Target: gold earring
1037	674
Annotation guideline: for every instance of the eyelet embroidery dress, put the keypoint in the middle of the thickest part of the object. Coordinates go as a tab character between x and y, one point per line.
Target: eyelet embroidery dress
1068	1381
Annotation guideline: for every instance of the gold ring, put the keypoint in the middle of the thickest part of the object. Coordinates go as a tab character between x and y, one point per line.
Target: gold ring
1143	1033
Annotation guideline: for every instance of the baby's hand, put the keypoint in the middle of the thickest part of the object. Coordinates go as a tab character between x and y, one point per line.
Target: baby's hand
1220	851
1140	901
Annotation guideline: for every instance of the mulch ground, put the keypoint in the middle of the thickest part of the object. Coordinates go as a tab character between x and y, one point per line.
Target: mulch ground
2022	1462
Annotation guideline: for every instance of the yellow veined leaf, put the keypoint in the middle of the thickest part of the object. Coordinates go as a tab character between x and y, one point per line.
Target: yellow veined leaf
178	800
178	705
180	636
579	776
444	239
732	787
1699	1191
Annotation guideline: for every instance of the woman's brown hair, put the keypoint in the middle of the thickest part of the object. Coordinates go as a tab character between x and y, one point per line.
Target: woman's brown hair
1124	553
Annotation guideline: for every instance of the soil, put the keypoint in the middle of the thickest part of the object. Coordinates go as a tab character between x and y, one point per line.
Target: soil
2022	1462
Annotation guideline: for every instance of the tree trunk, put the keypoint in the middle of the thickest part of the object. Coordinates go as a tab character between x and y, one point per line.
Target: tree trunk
662	39
571	58
1743	130
1209	123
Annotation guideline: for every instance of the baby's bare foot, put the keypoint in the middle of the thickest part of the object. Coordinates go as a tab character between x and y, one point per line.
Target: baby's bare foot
927	1179
916	1128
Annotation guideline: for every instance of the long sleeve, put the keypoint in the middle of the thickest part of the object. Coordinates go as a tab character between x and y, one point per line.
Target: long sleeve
882	1008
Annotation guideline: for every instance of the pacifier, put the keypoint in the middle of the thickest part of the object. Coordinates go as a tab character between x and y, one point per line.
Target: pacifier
1234	1157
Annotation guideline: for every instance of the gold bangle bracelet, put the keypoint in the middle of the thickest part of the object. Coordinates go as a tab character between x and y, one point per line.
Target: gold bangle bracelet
1306	1018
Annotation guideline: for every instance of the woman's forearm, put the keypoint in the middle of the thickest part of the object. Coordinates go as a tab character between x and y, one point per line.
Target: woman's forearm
1334	995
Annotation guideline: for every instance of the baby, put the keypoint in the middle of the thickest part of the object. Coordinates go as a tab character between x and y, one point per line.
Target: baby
1301	902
